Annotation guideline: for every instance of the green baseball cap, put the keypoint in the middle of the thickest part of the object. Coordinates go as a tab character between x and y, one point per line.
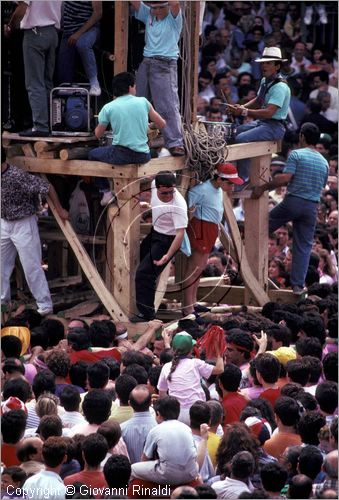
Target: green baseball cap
183	342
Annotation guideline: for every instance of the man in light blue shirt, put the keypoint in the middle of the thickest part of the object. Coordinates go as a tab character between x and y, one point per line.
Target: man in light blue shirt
269	108
157	76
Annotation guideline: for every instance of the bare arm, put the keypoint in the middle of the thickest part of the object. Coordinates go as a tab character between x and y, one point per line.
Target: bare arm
100	130
147	335
202	446
95	17
156	118
174	6
162	394
263	114
136	5
55	199
15	19
277	181
219	365
176	244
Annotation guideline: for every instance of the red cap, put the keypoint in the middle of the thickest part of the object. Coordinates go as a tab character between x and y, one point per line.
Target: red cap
229	172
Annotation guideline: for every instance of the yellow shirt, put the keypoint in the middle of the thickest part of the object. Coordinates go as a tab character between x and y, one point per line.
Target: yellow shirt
212	447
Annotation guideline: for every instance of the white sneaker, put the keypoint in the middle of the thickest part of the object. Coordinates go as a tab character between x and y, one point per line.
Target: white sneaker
107	198
163	153
322	14
95	90
308	16
45	312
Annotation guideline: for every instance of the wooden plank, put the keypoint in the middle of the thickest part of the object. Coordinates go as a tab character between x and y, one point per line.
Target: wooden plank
97	168
112	212
8	136
59	236
109	302
65	281
248	277
256	224
251	150
126	230
47	154
121	17
161	286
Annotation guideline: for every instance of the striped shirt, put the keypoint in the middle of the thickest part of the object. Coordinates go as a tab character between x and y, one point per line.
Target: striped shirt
134	432
310	171
75	15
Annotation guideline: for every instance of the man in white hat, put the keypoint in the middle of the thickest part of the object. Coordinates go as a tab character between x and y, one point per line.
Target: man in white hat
269	108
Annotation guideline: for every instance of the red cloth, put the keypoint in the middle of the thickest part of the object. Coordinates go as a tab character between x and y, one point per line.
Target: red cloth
92	478
202	235
271	395
206	342
147	484
8	455
93	357
233	404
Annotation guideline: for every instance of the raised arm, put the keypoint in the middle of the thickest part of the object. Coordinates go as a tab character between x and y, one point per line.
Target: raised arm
174	6
136	5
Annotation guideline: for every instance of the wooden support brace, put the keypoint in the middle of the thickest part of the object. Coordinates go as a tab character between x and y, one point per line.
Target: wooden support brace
109	302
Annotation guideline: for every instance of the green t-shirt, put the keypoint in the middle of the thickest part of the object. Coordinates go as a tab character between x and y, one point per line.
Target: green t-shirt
280	95
128	117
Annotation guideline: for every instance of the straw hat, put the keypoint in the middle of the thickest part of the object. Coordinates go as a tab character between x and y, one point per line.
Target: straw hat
271	54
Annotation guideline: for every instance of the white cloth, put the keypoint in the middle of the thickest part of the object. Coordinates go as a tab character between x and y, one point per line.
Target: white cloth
297	65
231	488
45	484
40	14
71	418
334	97
168	217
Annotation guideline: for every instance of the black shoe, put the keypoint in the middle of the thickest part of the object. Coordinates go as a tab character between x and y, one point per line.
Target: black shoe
32	132
177	151
201	309
299	290
139	318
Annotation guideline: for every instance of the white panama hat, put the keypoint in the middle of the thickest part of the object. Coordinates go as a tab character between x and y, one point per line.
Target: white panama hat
271	54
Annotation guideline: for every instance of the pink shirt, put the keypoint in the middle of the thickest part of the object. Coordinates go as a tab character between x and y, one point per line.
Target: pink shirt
185	384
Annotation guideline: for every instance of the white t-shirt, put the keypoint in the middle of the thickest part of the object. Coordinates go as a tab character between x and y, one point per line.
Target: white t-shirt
168	217
173	442
334	96
185	384
39	14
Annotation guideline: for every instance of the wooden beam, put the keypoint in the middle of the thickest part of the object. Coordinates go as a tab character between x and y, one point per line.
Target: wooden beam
126	231
97	168
251	150
108	301
8	137
121	17
256	223
248	277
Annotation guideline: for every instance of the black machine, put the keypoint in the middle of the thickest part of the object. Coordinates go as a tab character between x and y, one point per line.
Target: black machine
70	110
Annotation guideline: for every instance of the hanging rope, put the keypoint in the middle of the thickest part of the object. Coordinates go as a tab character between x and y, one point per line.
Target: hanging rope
205	147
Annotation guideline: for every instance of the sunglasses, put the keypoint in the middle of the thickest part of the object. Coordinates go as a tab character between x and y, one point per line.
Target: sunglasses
166	193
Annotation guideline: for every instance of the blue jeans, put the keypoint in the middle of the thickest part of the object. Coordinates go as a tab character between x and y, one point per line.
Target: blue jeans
115	155
258	130
157	79
84	47
303	214
39	48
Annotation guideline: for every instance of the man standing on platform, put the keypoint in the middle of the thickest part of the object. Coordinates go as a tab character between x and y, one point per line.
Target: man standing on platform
305	175
269	109
157	76
40	21
169	221
19	231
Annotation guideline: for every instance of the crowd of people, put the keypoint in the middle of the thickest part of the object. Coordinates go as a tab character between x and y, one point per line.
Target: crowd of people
233	405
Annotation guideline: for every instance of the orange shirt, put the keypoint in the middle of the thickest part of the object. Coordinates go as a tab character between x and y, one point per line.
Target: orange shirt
93	479
279	442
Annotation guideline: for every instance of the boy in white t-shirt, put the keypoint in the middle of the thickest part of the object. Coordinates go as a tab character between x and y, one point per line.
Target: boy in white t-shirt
169	219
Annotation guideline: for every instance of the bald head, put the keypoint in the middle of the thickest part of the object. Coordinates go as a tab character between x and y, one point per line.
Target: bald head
140	398
30	449
184	492
329	494
331	464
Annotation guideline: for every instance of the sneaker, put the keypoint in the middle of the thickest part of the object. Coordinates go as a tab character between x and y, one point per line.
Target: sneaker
177	151
308	16
45	312
33	132
95	90
322	14
299	290
107	198
139	318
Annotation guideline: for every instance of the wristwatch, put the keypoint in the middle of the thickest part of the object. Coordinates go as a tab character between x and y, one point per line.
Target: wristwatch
244	112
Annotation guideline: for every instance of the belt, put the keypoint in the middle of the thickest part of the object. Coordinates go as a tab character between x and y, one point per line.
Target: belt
39	28
161	58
